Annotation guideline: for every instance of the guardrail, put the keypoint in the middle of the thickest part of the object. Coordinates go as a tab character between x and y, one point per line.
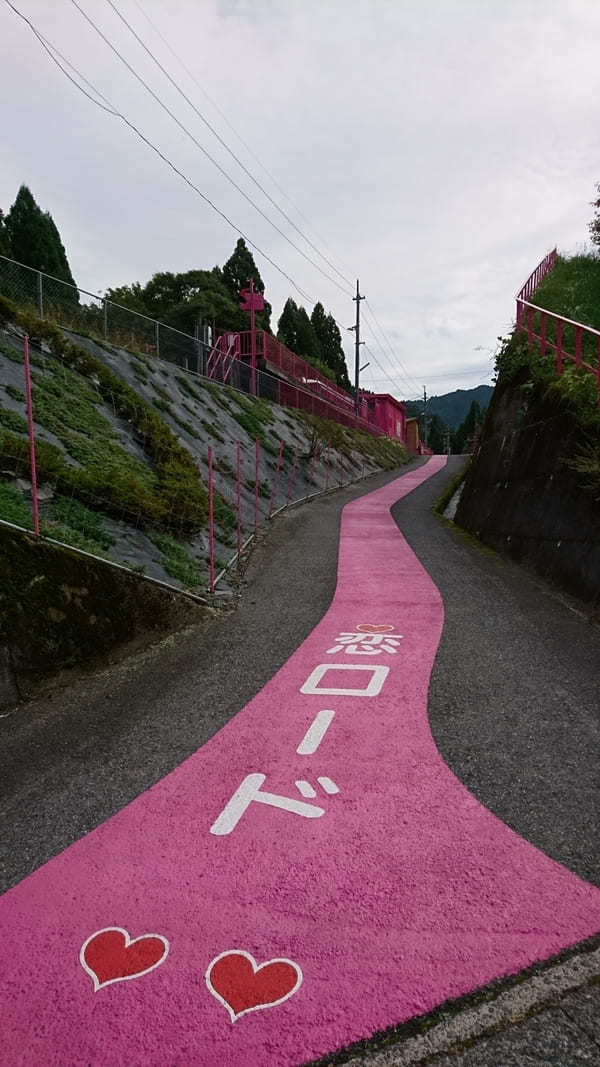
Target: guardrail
572	342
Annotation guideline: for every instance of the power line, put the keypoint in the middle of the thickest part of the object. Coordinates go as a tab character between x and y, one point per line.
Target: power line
111	109
108	107
411	383
221	140
376	361
202	149
220	112
395	358
454	374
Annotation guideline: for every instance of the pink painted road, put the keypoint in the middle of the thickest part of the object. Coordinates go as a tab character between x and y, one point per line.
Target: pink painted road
319	833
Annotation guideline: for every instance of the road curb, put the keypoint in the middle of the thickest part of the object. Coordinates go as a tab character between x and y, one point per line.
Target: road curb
501	1007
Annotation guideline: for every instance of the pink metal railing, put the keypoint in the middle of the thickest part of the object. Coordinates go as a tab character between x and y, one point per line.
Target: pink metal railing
307	389
555	331
534	279
274	352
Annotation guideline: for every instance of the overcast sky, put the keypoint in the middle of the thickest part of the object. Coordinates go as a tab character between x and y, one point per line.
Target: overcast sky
437	148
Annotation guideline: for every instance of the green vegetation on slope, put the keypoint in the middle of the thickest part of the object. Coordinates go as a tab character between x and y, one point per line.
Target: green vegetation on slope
571	289
170	497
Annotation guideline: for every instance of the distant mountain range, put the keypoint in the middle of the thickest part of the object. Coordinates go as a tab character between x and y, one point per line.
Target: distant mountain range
452	407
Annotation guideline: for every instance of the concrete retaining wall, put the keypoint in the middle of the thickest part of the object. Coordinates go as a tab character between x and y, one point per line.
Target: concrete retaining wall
59	608
521	498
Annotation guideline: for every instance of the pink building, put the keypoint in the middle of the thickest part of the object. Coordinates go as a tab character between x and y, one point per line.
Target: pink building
386	412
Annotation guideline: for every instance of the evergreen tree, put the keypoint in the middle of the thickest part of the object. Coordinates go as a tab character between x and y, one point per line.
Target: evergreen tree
237	272
595	223
330	343
464	435
306	338
287	327
4	239
436	434
35	240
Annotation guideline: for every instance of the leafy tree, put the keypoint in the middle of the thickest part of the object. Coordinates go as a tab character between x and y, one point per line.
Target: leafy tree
181	300
237	272
35	240
330	342
595	223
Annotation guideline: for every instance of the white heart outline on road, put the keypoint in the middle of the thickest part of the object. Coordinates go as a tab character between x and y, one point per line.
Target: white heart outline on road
256	967
128	941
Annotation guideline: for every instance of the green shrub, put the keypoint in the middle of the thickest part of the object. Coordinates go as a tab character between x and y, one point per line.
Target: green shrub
68	536
187	388
11	353
75	515
177	500
14	507
11	420
15	393
178	562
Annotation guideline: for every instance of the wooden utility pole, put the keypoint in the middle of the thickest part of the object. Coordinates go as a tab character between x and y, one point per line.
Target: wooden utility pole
424	416
357	344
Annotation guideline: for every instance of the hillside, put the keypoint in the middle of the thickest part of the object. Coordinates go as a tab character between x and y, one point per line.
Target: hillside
533	486
572	289
452	408
122	441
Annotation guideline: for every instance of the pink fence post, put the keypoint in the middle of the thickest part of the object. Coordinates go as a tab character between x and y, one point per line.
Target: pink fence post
578	346
256	465
239	502
276	479
292	478
598	369
530	324
559	361
543	335
32	467
310	481
211	523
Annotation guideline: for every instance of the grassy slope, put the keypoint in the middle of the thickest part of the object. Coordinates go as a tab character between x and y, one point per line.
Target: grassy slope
572	289
104	497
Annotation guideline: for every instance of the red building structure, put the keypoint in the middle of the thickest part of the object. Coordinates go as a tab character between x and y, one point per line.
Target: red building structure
387	413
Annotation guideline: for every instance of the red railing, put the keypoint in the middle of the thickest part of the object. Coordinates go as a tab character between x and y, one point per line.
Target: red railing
571	341
293	366
534	279
305	388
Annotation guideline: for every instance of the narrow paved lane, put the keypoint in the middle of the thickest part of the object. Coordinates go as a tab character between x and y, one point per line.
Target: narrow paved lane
314	873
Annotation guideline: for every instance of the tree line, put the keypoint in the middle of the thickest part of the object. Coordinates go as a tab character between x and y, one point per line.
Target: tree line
183	301
440	437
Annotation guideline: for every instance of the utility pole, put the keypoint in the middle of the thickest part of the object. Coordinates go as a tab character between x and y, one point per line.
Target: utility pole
357	344
424	416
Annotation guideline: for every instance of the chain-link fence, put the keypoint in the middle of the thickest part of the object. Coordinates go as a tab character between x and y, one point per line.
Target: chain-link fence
96	316
99	318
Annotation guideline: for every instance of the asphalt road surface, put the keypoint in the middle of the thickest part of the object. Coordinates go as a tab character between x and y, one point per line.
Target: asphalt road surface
513	707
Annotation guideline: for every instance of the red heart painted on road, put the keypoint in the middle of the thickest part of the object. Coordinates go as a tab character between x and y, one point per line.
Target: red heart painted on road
370	628
241	985
110	955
